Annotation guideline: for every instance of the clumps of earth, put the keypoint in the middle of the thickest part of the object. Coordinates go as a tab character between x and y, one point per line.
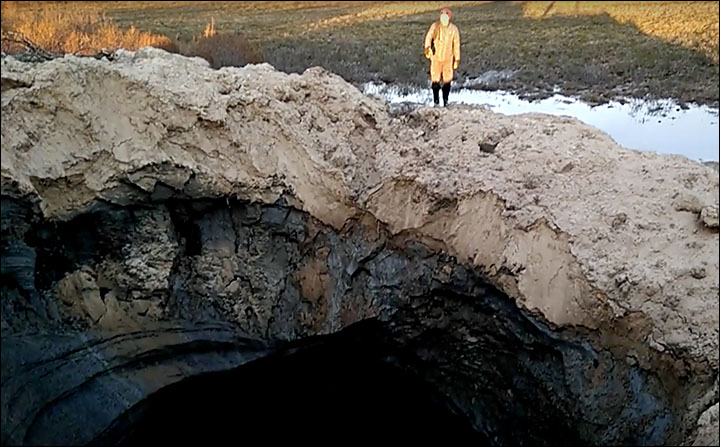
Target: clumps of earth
162	221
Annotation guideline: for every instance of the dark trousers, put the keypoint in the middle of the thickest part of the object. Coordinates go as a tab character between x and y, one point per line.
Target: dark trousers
445	92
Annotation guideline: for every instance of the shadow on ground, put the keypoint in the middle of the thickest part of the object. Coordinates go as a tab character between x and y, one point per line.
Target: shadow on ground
592	56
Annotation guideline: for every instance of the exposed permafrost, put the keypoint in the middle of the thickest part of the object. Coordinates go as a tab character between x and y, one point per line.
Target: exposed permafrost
574	227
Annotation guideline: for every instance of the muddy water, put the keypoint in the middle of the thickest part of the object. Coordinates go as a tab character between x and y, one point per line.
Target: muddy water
660	126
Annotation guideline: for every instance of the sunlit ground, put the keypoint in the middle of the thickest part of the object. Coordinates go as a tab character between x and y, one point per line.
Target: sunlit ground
385	11
692	24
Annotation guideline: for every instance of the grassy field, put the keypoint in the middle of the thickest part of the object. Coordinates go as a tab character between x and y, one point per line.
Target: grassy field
594	50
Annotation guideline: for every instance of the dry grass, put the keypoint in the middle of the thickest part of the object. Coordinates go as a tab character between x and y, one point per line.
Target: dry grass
691	24
222	50
591	56
585	49
82	31
210	30
61	30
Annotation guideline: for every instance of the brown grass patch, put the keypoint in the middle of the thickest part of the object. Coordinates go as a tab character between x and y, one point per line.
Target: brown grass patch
61	30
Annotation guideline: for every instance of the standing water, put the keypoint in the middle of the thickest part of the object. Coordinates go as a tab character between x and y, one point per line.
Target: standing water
661	126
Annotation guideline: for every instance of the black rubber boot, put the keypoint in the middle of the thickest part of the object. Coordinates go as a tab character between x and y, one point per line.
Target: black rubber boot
446	93
436	92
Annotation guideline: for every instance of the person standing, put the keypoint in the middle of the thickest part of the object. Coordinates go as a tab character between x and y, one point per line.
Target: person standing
442	47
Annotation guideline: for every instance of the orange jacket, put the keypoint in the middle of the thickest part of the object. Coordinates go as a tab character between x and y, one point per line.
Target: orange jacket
445	39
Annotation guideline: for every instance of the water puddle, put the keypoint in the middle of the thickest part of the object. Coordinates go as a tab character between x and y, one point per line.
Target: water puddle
661	126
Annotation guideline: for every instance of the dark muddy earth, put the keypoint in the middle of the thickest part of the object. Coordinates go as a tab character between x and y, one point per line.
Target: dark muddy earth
412	368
